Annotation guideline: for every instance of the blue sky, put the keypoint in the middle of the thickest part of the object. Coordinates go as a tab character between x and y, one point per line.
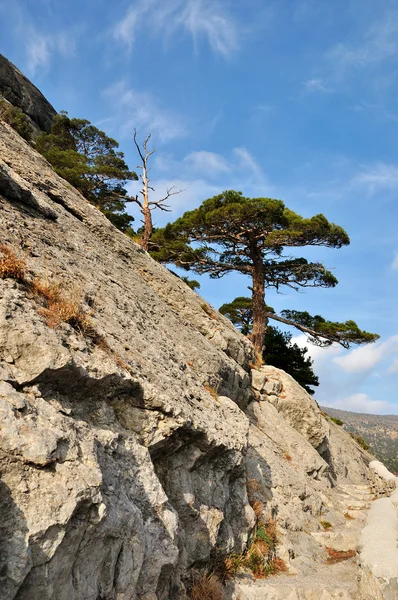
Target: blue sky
291	99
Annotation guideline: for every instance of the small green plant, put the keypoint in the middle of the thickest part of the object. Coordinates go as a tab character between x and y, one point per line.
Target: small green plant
337	421
326	525
17	119
360	441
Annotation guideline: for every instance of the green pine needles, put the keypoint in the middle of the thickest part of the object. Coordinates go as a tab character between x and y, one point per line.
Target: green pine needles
230	232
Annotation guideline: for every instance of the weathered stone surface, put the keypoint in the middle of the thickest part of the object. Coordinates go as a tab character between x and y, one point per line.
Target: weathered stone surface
289	398
378	572
21	92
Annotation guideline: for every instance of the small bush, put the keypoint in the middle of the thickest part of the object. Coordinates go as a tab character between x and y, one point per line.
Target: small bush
337	421
360	441
17	119
326	525
11	266
206	587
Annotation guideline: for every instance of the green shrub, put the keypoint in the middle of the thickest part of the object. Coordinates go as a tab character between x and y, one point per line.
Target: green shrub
17	119
337	421
360	441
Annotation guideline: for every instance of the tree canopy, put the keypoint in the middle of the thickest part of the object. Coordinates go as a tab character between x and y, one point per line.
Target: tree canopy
230	232
88	158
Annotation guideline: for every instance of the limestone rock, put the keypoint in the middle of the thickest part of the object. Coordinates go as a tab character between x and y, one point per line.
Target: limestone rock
289	398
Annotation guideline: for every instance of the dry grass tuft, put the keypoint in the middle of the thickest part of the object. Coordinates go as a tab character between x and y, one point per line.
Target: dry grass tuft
59	308
211	391
208	310
258	508
336	556
258	362
207	587
11	266
349	517
120	362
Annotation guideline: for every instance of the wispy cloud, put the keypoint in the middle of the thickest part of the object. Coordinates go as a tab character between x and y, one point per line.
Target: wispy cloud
207	162
317	84
205	19
377	177
378	43
394	264
140	110
248	162
41	48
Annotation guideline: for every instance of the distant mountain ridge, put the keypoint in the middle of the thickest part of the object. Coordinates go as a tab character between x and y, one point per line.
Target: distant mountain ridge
380	431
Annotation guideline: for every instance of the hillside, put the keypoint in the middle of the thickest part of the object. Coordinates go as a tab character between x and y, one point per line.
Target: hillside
380	431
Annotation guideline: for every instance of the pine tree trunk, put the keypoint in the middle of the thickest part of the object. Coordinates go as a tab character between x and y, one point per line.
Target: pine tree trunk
259	311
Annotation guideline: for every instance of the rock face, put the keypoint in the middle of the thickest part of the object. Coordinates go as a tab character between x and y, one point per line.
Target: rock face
20	92
133	449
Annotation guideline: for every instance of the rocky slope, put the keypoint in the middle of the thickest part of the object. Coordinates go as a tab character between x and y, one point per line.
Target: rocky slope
380	431
135	440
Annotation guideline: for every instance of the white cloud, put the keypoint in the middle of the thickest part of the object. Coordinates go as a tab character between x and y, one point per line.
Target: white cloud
342	374
361	403
366	357
394	264
209	163
140	110
200	18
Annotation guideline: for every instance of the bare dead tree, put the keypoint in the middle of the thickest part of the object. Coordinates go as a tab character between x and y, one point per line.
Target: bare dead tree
145	204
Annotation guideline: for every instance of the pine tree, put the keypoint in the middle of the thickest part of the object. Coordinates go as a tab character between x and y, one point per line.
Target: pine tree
230	233
88	158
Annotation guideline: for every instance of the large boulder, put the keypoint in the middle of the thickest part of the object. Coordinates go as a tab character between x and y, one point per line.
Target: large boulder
21	92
